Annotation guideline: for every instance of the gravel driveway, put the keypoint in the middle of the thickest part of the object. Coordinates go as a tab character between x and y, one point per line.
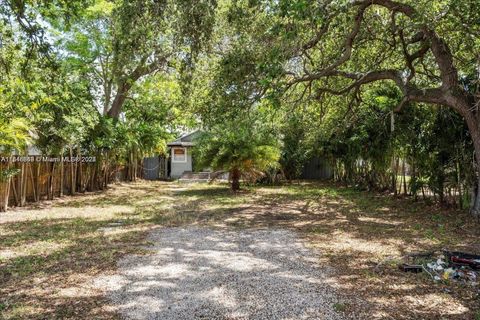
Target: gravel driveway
202	273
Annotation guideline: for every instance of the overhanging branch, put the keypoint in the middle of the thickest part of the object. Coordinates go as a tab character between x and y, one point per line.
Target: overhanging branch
428	40
410	92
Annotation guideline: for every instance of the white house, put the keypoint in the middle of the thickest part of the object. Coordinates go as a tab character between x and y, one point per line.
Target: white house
181	160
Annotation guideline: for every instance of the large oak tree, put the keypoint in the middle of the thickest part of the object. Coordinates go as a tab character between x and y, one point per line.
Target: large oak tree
429	49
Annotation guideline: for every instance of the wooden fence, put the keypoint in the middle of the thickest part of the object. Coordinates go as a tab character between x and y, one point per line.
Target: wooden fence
35	178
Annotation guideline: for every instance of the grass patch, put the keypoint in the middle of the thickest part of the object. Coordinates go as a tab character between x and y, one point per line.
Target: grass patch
340	307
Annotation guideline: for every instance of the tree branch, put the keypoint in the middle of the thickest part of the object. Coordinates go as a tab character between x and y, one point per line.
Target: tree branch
443	95
390	5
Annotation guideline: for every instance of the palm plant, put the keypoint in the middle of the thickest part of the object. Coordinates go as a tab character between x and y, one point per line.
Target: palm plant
14	135
244	151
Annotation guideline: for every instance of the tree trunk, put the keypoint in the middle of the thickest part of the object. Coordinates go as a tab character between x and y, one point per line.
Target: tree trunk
459	183
413	180
235	176
474	129
106	174
394	175
107	87
475	209
119	100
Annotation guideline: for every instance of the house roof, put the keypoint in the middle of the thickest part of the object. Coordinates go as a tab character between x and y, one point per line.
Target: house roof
180	144
185	140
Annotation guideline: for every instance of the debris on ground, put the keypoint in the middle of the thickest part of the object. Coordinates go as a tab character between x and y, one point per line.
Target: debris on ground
463	259
448	265
415	268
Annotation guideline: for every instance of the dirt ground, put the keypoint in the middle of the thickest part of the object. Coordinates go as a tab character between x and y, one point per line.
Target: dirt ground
51	251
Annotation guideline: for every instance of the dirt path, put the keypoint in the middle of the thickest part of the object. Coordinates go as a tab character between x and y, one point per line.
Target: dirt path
202	273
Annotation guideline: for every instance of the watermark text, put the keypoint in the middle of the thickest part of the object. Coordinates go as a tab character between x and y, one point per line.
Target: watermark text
37	159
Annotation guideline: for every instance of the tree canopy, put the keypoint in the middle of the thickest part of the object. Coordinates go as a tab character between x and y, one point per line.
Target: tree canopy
380	89
328	58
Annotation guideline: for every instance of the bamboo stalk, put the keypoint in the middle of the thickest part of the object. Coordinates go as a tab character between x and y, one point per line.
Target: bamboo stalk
62	173
2	197
24	184
14	189
20	183
37	181
51	181
33	183
72	176
6	195
80	170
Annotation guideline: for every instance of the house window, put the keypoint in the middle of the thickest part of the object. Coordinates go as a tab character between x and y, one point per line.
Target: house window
179	155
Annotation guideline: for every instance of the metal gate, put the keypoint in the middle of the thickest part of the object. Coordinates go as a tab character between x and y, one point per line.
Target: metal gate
151	168
318	169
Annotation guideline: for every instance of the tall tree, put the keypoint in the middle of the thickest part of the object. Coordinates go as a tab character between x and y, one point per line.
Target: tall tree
337	48
121	42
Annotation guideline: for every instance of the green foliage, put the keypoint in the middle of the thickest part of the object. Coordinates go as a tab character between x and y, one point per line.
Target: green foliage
57	100
295	147
246	146
340	307
116	44
14	135
161	67
5	174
